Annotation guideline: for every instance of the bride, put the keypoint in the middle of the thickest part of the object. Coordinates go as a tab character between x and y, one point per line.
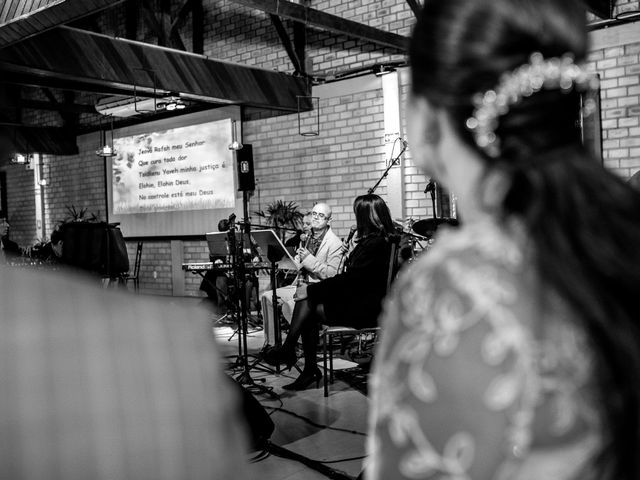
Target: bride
511	350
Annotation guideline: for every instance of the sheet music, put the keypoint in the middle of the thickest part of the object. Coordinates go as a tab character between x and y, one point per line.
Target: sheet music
268	238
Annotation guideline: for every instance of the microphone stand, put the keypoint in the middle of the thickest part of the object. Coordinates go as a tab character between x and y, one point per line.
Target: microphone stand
233	254
245	377
431	187
394	161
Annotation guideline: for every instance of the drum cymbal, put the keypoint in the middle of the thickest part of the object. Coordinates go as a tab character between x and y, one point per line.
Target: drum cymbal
428	226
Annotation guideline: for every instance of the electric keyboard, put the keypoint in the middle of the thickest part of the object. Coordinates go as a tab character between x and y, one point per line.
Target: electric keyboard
202	266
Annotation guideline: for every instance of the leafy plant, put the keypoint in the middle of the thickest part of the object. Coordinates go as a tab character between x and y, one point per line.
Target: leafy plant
75	215
282	215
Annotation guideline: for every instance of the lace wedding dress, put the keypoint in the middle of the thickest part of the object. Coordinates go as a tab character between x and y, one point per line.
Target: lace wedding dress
481	372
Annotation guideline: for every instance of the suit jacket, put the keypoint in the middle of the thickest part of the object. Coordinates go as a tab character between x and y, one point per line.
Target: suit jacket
354	298
325	262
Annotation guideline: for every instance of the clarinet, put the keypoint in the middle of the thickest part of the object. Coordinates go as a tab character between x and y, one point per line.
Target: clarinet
307	240
302	276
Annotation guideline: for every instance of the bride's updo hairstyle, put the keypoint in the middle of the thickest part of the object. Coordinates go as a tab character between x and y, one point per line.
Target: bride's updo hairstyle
463	48
583	221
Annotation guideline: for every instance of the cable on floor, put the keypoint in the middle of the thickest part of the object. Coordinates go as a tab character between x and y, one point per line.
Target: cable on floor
311	422
351	459
259	456
313	464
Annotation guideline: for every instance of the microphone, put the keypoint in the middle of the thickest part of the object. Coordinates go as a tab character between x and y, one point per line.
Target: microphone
352	232
431	186
405	144
345	247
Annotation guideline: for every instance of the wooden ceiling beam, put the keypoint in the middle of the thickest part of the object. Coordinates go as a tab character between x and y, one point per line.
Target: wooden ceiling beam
300	44
415	7
22	19
149	16
50	140
288	46
132	14
328	22
57	107
601	8
15	75
183	11
65	56
197	25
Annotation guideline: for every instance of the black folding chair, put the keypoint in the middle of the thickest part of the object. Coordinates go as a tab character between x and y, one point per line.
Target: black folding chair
329	332
135	276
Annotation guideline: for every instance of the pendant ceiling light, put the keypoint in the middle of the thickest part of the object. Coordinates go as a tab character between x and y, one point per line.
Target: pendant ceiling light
105	147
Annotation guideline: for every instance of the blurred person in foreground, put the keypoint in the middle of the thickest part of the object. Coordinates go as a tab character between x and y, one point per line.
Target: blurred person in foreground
512	349
98	384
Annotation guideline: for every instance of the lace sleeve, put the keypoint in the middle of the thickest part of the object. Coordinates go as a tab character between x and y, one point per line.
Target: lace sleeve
453	388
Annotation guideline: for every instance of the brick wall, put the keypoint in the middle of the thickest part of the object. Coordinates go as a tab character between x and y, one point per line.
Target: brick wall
74	181
616	58
21	205
155	267
345	160
240	34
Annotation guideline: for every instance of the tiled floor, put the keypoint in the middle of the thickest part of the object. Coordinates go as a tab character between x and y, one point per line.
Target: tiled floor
328	433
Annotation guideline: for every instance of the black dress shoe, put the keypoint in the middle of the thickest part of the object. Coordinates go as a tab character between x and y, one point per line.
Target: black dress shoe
305	380
277	356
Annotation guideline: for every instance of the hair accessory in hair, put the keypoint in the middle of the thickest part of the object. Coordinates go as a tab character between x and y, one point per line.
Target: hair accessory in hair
538	74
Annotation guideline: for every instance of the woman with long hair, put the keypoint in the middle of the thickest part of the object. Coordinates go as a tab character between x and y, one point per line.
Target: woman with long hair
352	298
511	350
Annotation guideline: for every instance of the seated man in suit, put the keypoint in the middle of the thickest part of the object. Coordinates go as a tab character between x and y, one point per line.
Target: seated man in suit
319	256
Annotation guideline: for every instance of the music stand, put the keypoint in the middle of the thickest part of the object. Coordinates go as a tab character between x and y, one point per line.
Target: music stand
280	256
277	253
217	242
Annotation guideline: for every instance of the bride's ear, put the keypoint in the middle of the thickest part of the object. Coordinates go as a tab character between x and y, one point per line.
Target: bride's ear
494	189
430	130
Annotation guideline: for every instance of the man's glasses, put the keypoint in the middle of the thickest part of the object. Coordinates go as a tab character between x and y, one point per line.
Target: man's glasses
318	215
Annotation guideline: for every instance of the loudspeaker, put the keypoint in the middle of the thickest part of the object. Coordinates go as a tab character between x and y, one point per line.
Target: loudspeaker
246	178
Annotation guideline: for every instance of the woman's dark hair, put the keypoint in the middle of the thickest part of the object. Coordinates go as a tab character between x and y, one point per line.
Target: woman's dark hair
583	220
372	215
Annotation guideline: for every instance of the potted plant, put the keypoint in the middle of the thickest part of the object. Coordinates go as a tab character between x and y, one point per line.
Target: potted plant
82	215
282	216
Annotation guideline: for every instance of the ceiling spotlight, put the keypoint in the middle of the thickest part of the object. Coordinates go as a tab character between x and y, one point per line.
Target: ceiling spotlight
171	103
175	105
20	158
